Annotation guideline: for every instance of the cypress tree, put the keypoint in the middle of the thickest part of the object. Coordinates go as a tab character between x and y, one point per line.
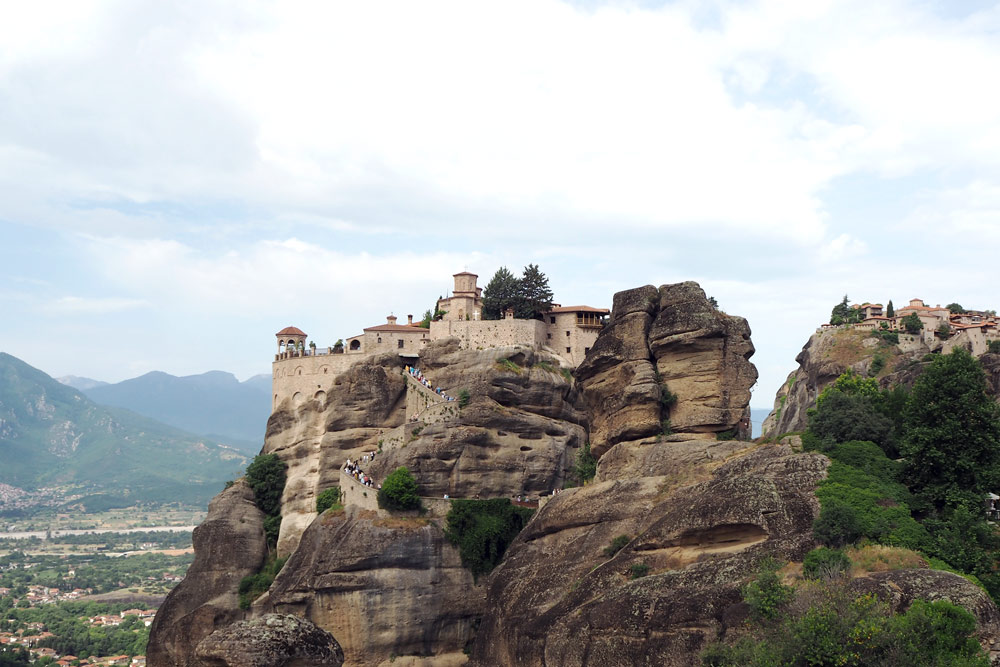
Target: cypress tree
535	296
500	293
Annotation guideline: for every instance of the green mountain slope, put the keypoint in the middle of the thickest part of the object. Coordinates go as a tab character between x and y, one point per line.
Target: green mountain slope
215	404
52	435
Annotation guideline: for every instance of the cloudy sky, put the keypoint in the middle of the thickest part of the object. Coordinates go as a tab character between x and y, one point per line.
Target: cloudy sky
179	181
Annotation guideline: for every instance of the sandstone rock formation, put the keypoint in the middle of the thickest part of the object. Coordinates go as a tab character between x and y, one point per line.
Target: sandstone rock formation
698	514
559	598
383	586
314	439
667	339
228	545
901	587
273	640
830	353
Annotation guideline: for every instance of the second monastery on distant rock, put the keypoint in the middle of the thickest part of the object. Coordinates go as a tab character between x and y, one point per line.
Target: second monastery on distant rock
302	371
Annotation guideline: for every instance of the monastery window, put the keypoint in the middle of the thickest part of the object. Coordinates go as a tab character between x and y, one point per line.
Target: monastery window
548	336
399	343
379	340
568	350
355	344
552	320
567	334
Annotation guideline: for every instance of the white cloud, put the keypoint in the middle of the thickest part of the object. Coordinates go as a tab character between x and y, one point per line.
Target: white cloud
414	139
78	305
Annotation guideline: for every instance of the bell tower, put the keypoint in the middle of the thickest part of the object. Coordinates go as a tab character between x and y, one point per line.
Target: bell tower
290	340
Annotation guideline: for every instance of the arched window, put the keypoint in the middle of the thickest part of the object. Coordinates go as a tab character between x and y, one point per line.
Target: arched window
355	345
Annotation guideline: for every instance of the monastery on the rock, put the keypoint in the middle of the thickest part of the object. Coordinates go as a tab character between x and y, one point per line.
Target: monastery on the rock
302	371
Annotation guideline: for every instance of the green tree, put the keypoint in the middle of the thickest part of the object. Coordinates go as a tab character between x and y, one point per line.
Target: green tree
912	323
889	310
483	529
842	313
534	294
951	437
266	476
502	292
955	308
586	465
399	491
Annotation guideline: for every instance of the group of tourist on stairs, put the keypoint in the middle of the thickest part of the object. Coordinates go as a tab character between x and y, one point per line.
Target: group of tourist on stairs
419	377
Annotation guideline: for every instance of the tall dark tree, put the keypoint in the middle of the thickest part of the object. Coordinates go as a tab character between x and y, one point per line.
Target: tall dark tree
535	296
842	313
889	310
951	438
500	293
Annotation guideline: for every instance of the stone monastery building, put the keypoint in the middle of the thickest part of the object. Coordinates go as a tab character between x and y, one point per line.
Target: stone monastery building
301	371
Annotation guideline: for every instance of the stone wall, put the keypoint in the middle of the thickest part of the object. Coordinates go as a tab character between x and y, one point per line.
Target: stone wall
307	377
377	342
568	340
484	334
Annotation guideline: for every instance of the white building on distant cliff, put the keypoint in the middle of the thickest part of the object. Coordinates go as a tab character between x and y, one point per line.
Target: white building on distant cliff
302	371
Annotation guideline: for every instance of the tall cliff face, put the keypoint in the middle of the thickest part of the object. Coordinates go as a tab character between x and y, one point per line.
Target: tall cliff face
228	545
392	585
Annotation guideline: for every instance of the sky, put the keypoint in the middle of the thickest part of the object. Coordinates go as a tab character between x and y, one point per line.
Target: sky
179	181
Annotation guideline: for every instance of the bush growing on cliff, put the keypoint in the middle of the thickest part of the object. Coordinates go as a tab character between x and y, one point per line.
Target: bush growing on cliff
585	467
253	586
266	476
616	545
328	499
399	491
483	529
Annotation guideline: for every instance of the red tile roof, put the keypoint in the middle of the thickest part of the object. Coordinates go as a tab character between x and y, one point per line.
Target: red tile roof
577	309
407	328
291	331
465	273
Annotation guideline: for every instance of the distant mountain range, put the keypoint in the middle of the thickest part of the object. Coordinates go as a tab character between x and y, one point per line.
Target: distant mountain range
79	383
53	435
215	404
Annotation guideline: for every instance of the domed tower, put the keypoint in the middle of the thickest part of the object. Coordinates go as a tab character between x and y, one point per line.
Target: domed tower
291	339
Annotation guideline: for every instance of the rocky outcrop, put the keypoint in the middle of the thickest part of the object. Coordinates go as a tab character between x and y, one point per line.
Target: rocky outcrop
273	640
899	588
228	545
670	339
561	598
825	357
831	352
692	516
384	586
315	438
